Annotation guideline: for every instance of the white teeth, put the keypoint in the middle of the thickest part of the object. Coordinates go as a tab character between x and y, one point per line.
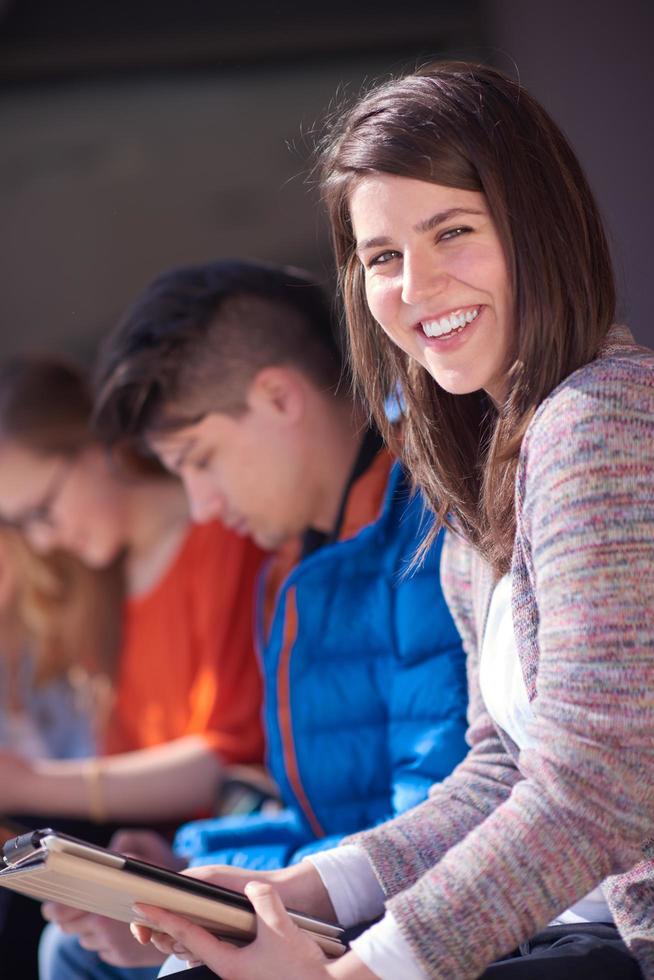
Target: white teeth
447	324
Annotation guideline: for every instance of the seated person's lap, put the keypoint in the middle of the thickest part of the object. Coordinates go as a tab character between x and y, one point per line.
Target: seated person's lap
589	951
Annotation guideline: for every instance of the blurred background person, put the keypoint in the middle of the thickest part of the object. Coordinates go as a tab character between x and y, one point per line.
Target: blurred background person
59	637
185	689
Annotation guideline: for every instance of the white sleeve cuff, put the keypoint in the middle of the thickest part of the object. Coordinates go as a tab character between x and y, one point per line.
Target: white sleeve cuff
346	873
385	951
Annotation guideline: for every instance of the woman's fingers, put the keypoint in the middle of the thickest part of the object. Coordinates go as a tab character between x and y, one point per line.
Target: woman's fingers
278	937
163	942
269	909
145	934
280	948
142	934
208	872
224	875
182	953
170	930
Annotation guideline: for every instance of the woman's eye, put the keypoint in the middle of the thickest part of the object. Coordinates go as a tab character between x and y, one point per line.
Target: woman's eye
202	464
382	259
453	233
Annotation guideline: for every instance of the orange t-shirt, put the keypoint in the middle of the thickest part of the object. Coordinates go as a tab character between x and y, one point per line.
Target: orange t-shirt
187	663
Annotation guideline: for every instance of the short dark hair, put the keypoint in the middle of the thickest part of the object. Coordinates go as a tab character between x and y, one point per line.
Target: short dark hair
197	336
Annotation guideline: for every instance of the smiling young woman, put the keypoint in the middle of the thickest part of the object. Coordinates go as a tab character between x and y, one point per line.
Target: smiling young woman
477	282
502	222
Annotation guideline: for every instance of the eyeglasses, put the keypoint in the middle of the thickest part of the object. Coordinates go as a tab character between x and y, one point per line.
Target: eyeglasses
40	515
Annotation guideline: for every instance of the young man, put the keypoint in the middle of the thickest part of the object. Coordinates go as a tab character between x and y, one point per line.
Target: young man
231	373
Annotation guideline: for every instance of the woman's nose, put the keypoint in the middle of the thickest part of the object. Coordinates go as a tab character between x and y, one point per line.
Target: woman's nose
422	278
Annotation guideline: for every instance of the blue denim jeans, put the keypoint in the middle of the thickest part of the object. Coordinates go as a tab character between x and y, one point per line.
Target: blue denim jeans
62	958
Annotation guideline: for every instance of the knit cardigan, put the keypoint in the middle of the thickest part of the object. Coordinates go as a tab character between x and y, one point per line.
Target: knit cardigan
511	839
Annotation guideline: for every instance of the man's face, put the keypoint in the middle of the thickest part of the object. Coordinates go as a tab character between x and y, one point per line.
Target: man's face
248	471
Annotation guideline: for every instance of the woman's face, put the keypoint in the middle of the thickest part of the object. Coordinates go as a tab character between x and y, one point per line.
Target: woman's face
436	278
73	503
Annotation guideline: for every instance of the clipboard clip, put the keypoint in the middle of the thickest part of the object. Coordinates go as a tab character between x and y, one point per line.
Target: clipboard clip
22	846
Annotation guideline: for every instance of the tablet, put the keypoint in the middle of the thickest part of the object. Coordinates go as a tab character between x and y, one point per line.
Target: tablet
50	866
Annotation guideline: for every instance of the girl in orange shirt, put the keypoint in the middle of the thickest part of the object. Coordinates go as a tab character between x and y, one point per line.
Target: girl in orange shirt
186	688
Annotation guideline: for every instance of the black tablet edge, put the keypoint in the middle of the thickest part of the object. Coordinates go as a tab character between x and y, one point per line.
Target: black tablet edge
209	890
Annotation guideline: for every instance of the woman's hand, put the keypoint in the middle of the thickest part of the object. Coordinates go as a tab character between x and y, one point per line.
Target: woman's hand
300	887
280	949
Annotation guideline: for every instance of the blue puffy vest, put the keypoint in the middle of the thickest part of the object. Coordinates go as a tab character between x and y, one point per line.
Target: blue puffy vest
364	679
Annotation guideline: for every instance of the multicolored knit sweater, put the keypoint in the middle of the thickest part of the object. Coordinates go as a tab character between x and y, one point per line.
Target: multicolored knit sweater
509	840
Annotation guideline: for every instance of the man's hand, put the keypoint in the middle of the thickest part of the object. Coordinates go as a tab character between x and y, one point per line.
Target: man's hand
111	940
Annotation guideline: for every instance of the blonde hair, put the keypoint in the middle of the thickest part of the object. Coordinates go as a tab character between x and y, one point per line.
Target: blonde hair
69	615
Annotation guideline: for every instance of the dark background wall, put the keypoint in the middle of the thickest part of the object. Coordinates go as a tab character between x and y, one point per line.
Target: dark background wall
137	135
591	64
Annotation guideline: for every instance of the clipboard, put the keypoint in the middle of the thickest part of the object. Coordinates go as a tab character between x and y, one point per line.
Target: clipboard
51	866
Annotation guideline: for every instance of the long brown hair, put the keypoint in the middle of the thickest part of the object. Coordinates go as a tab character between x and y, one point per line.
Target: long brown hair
67	615
471	127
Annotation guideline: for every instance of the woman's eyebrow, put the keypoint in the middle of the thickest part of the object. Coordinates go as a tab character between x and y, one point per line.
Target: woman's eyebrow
423	226
437	219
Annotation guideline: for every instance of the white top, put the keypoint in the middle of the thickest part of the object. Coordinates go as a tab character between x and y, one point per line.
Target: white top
500	674
356	895
347	872
505	695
